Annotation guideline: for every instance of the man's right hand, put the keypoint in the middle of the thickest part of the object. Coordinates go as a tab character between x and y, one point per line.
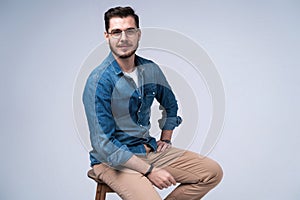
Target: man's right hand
161	178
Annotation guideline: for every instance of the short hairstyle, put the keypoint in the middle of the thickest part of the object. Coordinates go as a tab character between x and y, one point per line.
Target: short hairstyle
121	12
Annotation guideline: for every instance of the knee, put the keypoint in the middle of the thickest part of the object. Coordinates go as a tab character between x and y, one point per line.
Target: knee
214	172
218	172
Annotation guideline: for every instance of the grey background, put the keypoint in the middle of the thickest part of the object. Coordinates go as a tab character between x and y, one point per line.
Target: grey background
254	45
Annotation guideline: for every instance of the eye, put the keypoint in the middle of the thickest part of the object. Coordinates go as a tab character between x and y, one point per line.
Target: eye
117	31
131	31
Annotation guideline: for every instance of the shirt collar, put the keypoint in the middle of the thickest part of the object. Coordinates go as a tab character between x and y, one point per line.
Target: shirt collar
112	61
117	69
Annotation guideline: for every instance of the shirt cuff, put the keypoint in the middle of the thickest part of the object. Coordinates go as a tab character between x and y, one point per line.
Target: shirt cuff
119	157
169	123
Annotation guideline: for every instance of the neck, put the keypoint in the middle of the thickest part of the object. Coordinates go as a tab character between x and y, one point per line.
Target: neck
126	64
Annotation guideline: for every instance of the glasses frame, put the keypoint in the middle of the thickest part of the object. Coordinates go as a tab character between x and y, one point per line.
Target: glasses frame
117	33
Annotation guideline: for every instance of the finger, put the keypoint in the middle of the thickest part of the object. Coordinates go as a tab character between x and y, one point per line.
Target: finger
159	147
172	180
168	183
165	146
161	186
164	185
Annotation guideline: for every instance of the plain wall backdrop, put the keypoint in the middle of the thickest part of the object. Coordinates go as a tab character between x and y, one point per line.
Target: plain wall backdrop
255	46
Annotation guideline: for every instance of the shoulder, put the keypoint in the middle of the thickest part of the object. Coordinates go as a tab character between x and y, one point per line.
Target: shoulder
141	60
102	73
147	64
101	78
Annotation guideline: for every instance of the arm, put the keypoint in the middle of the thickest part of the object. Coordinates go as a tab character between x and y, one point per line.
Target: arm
158	176
96	99
169	107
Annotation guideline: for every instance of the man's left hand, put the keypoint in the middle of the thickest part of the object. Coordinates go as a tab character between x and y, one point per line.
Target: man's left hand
162	146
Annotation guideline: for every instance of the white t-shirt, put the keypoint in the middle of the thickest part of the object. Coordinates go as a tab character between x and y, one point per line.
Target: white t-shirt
133	75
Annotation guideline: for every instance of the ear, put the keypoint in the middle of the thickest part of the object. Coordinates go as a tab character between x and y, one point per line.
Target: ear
139	34
106	36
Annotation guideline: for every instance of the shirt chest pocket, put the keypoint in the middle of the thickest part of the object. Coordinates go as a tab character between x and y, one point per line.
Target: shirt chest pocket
149	95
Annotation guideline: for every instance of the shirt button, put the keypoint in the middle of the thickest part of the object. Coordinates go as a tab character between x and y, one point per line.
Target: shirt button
140	97
153	93
141	125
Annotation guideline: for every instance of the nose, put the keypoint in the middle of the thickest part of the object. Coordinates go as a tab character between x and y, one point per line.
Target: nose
123	35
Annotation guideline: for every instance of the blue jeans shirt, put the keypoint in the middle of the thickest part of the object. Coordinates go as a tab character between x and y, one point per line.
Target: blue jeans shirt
118	112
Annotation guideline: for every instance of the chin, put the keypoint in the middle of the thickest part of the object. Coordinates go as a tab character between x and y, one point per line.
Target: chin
127	55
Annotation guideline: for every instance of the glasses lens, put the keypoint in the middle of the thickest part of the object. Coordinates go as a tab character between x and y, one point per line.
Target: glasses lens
129	33
116	33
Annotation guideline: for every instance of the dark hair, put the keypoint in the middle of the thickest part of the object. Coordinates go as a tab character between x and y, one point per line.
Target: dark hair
120	12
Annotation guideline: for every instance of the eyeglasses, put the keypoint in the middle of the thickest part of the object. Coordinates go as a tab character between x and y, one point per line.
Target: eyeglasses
117	33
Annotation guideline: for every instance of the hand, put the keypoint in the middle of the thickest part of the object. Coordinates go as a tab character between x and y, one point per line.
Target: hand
161	178
162	146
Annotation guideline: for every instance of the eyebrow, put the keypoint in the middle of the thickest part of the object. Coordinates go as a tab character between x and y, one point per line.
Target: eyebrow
117	29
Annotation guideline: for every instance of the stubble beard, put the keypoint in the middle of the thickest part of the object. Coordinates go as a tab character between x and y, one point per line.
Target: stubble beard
123	56
127	55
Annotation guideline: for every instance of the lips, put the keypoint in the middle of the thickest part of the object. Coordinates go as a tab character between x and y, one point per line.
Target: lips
124	46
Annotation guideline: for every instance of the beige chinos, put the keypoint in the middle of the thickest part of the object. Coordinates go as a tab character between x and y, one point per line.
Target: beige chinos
196	174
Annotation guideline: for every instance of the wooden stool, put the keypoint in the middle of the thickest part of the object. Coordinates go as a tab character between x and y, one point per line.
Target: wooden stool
102	188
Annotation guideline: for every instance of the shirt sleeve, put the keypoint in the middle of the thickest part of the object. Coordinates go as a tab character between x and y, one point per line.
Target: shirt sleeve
168	103
97	103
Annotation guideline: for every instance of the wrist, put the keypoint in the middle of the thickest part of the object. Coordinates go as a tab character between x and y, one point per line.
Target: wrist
167	141
149	170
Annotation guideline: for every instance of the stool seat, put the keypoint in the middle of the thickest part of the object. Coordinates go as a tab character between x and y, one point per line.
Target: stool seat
102	188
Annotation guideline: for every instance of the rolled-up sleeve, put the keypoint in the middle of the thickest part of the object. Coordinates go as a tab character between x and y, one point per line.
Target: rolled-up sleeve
169	123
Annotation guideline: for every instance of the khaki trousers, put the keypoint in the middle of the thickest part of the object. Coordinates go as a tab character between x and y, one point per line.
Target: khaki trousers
196	174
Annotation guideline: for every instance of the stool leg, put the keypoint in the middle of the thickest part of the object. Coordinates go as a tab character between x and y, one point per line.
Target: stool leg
100	192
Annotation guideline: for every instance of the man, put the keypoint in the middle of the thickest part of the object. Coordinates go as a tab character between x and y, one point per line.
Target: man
117	99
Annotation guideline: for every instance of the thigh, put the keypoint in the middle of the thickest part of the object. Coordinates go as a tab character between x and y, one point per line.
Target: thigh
198	175
186	166
128	184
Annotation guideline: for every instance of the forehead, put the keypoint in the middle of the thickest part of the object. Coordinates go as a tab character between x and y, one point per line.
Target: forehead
122	23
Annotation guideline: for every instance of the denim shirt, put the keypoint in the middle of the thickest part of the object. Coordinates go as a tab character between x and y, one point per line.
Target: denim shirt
118	112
